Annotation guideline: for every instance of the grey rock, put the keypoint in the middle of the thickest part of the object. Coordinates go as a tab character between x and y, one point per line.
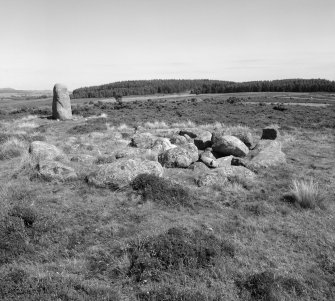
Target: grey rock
121	172
270	133
180	156
225	145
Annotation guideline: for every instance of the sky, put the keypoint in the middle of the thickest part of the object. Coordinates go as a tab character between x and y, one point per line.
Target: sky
91	42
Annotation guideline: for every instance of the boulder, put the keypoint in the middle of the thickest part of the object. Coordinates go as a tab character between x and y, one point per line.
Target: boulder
180	156
270	133
199	166
225	161
202	139
178	140
61	104
143	140
121	172
245	137
209	159
83	158
161	145
220	175
52	170
269	154
225	145
44	151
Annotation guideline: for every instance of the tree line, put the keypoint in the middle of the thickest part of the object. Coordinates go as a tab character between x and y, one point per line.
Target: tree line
203	86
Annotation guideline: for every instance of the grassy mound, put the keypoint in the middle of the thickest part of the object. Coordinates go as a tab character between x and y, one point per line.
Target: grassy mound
162	191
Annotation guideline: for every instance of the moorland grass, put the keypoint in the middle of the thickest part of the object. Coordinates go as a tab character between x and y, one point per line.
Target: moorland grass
240	241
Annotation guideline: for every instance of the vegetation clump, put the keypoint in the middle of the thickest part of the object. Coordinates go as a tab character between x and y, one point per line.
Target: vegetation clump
177	249
305	194
162	191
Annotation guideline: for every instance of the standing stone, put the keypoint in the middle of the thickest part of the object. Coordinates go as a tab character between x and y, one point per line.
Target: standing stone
61	105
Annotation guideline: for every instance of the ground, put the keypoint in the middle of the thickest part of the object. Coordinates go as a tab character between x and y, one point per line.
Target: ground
241	241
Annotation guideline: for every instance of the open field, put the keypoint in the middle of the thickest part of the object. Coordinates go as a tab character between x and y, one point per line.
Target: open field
172	240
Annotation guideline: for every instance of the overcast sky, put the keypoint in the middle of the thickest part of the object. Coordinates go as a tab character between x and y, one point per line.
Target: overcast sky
91	42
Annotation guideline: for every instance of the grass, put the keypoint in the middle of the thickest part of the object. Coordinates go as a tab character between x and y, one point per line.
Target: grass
165	238
305	194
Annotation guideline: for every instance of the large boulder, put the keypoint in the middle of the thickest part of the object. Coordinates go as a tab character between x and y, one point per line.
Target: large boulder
44	151
121	172
267	153
52	170
180	156
225	145
61	104
220	176
143	140
202	139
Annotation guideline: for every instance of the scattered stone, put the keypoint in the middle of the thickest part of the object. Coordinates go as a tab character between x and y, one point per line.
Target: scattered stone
121	172
245	137
270	133
229	145
180	156
61	105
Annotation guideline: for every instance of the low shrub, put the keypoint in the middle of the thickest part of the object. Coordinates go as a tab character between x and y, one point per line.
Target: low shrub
96	125
305	194
175	250
162	191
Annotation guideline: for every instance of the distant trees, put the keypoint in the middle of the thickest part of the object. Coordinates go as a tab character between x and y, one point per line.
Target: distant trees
203	86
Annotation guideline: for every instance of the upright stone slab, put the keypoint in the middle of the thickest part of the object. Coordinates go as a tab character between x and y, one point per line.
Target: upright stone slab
61	105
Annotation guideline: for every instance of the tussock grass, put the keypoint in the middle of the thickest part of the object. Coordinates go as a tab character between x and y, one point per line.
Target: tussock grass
185	124
305	194
12	148
156	125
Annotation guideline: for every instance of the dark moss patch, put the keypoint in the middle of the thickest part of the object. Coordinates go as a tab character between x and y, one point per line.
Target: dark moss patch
27	214
270	287
174	250
162	191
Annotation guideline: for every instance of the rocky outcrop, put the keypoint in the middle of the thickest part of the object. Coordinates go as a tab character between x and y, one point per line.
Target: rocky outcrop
225	145
61	104
225	161
180	156
121	172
